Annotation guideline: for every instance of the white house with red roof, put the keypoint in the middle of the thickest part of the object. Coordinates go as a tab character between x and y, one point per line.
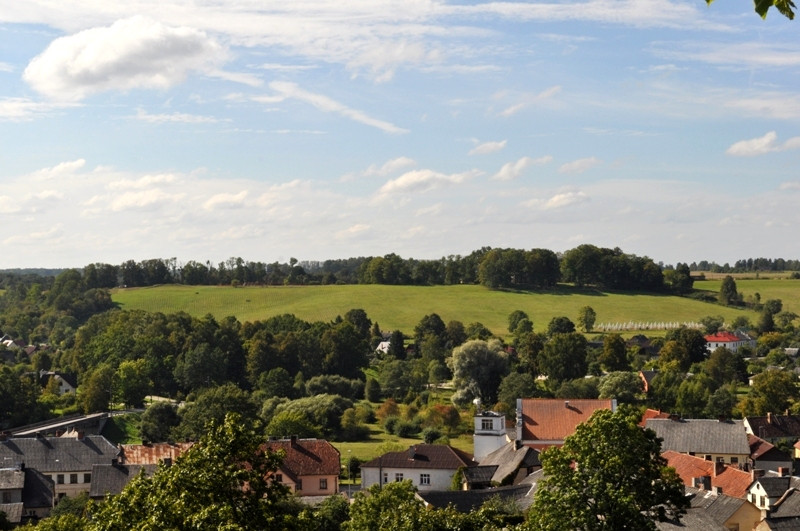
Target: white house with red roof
729	340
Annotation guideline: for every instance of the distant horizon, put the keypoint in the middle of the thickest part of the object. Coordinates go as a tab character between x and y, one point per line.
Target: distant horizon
668	128
300	260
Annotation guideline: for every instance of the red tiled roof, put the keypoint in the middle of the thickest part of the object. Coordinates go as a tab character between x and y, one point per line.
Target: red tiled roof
732	481
307	457
722	337
439	456
555	419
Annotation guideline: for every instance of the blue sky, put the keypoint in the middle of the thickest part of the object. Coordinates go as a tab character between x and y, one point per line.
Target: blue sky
205	129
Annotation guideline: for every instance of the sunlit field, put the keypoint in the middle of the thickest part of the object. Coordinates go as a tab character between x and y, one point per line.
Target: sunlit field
402	307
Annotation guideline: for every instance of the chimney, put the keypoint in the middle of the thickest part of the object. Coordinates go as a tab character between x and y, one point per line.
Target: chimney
566	404
293	440
783	471
702	482
412	452
769	417
81	433
718	468
716	489
756	473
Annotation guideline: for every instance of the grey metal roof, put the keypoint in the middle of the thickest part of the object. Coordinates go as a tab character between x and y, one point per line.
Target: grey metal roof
701	436
465	501
788	506
509	459
56	454
775	487
111	479
39	490
13	511
12	478
479	474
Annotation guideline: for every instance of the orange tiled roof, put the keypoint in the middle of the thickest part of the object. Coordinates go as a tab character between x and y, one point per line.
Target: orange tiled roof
732	481
152	454
556	419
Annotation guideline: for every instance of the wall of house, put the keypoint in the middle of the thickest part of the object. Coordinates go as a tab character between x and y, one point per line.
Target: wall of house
71	483
312	487
439	479
745	517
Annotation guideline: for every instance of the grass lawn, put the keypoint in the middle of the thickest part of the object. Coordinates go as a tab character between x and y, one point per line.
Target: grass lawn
380	442
785	289
123	429
402	307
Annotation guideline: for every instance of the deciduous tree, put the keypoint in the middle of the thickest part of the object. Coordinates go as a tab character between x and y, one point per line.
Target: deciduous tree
608	475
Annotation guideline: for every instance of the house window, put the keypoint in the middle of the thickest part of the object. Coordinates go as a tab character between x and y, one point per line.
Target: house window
424	479
486	424
73	478
279	478
385	477
734	460
398	476
761	502
60	479
708	457
87	478
323	484
299	484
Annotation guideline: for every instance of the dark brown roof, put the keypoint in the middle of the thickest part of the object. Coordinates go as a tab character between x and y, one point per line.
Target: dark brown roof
774	426
439	456
307	457
761	449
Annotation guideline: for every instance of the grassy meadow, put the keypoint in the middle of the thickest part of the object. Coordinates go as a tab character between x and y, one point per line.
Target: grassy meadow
769	287
402	307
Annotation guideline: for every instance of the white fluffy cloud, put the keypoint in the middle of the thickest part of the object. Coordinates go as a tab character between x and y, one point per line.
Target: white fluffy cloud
419	181
762	145
132	53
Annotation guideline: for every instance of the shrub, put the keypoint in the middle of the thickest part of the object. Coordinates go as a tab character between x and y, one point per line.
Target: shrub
390	424
429	435
406	429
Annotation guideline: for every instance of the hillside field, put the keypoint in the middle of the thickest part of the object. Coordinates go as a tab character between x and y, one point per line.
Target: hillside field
402	307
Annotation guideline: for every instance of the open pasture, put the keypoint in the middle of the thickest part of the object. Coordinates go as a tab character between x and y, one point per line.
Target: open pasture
402	307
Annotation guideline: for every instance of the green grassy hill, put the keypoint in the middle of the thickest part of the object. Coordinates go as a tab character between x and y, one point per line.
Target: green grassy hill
785	289
402	307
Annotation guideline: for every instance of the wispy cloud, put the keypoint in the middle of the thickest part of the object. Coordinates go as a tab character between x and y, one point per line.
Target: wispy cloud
762	145
288	90
512	170
175	117
524	101
488	147
580	165
24	109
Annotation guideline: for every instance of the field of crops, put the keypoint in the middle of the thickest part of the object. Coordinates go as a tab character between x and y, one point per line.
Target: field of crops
402	307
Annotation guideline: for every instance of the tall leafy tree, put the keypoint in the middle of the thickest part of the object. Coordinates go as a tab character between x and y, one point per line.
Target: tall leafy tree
222	482
728	293
609	475
586	318
480	366
564	357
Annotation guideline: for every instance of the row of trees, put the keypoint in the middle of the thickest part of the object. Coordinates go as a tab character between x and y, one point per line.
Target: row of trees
495	268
